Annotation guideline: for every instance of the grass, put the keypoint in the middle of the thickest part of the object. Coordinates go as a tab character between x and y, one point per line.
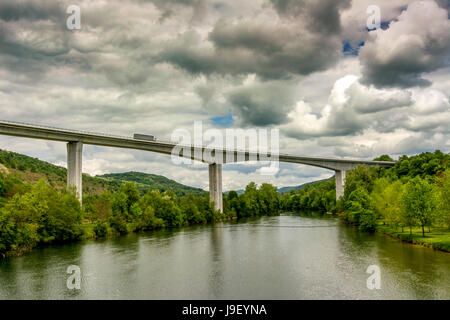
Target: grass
437	239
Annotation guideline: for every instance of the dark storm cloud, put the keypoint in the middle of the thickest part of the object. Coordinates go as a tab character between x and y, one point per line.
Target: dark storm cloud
305	41
263	104
30	10
168	7
248	36
322	16
444	4
272	52
398	73
31	58
10	46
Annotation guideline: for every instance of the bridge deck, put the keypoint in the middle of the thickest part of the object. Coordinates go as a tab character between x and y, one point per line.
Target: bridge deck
66	135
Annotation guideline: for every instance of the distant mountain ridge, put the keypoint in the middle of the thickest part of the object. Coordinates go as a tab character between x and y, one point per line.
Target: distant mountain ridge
295	188
287	189
152	181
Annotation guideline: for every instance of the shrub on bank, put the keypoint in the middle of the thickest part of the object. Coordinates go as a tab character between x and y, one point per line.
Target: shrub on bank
41	215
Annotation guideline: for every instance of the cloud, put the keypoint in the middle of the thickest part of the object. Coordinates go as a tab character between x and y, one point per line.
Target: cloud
353	107
363	99
169	7
29	10
268	45
263	104
322	16
354	18
419	42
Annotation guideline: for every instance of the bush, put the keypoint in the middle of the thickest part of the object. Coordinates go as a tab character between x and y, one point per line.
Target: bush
149	221
40	215
118	224
101	229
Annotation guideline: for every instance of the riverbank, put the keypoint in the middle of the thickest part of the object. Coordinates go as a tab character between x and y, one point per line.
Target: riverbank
437	239
89	232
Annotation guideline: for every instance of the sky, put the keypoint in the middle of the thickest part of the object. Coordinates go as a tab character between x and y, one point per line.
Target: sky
311	69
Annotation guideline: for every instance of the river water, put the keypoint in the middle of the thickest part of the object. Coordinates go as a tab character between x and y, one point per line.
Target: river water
282	257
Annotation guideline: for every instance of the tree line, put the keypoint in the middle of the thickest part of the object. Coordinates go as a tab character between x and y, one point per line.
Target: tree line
415	192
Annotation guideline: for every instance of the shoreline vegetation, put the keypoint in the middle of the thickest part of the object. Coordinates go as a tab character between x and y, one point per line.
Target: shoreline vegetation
437	240
410	201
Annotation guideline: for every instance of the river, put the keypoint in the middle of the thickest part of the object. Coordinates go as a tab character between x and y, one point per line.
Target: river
281	257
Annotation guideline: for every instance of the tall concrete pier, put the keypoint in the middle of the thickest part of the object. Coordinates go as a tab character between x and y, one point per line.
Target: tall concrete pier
74	166
340	183
215	186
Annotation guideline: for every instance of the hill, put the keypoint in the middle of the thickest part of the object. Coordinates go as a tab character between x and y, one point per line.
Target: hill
152	181
286	189
294	188
30	170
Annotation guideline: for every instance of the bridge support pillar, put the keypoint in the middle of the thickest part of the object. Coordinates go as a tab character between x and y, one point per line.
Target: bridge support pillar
74	166
215	186
340	183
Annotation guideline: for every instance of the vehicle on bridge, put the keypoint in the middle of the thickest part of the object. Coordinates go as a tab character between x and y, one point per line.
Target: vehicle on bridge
146	137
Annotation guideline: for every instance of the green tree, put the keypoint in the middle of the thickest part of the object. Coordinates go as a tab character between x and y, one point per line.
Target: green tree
359	210
419	202
248	201
191	211
100	229
384	157
132	193
148	220
164	206
443	187
359	177
268	199
386	201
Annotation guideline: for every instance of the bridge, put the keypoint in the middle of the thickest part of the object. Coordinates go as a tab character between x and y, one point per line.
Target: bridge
75	140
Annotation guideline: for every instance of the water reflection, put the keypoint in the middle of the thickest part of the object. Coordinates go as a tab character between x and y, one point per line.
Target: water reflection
215	279
286	257
40	274
408	272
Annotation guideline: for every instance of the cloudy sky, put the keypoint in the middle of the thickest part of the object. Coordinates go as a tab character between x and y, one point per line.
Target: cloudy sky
311	69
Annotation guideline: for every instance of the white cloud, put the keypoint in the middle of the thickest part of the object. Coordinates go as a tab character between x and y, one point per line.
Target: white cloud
417	43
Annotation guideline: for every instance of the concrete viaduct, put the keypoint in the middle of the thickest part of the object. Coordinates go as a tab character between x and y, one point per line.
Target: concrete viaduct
75	140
